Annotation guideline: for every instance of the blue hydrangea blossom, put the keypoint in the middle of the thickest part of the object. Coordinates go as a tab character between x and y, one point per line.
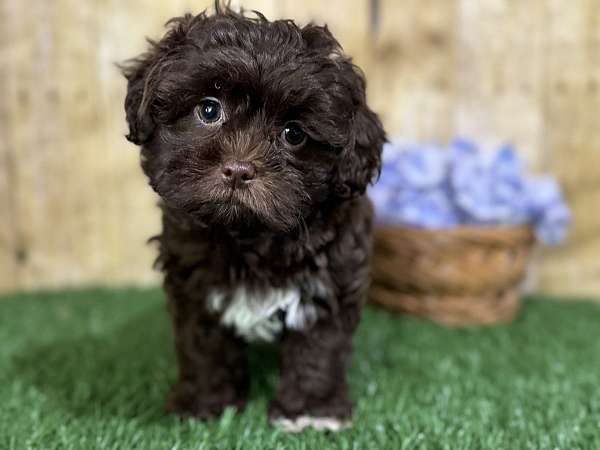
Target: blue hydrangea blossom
435	188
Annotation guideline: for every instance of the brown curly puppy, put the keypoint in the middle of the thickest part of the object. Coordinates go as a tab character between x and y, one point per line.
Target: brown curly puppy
258	139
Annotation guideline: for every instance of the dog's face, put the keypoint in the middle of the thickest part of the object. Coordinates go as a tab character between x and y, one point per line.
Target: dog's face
245	122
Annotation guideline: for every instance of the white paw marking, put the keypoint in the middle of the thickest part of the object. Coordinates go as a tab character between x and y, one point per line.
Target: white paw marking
316	423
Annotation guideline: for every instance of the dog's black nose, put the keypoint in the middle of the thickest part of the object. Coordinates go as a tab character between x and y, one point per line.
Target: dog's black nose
239	172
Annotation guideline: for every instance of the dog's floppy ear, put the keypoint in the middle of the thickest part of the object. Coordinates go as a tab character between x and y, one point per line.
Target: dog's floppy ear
143	75
137	101
360	160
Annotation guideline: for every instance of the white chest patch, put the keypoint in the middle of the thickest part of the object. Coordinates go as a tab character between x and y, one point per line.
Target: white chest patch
260	315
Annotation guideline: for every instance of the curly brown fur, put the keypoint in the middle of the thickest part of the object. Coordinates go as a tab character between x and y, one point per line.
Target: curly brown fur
297	224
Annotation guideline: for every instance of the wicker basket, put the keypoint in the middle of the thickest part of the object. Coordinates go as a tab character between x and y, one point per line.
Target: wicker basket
457	277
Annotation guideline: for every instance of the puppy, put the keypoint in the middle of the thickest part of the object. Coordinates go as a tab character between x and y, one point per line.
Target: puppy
257	137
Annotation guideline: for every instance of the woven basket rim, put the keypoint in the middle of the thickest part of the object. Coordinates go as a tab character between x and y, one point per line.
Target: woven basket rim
458	228
512	233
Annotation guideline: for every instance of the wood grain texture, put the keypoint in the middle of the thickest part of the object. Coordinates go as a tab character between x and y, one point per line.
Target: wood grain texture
75	208
571	151
500	74
412	68
9	240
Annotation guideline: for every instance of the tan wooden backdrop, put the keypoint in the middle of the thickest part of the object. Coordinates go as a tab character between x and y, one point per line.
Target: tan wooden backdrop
74	208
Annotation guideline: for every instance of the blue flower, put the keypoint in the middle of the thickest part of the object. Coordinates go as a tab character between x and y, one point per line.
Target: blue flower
548	211
432	187
421	167
431	208
488	186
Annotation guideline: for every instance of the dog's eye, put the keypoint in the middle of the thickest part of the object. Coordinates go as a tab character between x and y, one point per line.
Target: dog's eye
209	110
293	134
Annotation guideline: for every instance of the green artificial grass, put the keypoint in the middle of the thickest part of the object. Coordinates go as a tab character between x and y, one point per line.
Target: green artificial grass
90	370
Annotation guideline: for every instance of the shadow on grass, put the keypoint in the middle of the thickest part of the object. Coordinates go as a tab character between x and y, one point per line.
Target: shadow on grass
124	372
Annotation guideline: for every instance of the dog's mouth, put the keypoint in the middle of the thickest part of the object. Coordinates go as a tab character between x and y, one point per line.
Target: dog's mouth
265	204
245	209
234	209
235	198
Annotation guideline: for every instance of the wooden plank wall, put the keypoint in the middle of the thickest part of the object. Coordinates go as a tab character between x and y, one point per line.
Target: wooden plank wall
572	138
75	209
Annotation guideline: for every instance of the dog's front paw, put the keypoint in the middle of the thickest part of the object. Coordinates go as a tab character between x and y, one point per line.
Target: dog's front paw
328	416
187	401
301	423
